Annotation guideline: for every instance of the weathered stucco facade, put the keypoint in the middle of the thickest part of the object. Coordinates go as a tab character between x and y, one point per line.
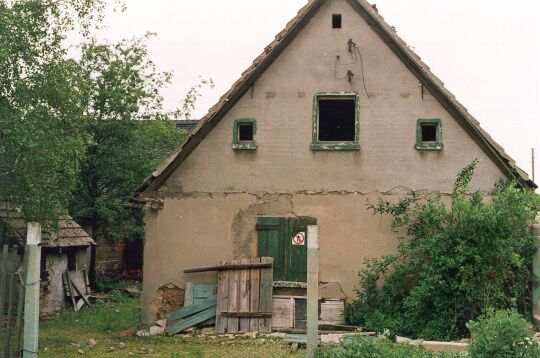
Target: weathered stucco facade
207	208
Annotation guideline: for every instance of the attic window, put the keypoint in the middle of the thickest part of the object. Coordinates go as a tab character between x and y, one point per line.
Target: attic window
335	122
336	21
244	134
429	134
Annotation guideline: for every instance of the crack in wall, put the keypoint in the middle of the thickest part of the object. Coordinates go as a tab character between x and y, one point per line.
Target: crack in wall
260	195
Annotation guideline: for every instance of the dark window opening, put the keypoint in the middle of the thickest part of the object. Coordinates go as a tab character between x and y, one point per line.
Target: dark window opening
336	21
429	132
44	274
71	260
245	132
337	120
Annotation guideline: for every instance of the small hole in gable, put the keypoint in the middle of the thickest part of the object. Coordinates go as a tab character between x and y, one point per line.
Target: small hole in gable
336	21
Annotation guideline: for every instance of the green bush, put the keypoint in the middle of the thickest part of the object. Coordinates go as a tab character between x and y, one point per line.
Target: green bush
457	256
502	334
361	346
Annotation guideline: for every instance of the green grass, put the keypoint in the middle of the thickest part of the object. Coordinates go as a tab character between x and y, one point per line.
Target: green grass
104	322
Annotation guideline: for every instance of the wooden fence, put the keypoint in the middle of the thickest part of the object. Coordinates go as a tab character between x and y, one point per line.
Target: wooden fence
244	298
11	301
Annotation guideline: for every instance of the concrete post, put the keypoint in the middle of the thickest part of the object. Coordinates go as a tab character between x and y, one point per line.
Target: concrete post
31	299
536	272
312	289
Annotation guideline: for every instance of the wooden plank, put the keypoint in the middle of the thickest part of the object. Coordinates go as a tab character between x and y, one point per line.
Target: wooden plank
192	309
233	306
255	278
265	296
70	290
248	314
184	324
243	305
188	296
222	301
202	291
84	298
282	309
232	266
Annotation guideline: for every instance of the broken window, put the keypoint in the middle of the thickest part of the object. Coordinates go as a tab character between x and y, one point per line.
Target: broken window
244	134
335	122
336	21
429	134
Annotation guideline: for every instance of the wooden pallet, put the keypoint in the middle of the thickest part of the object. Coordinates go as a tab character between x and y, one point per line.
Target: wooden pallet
244	297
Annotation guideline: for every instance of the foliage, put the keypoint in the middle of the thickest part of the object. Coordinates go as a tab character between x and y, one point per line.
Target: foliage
454	262
123	99
131	134
361	346
42	122
502	334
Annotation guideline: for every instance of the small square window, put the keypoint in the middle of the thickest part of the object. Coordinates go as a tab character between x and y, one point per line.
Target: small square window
244	134
336	21
429	134
335	122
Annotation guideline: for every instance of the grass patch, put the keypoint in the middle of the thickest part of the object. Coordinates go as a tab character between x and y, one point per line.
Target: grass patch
104	322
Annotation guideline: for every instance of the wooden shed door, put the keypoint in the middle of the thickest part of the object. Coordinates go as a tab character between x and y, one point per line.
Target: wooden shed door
285	239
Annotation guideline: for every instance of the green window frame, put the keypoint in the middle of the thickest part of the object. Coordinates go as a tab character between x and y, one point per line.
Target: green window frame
319	145
239	144
429	145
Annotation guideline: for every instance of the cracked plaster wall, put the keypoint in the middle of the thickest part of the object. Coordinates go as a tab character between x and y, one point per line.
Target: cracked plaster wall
211	201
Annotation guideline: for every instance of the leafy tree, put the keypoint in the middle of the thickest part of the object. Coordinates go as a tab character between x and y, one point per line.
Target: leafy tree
454	263
131	134
43	134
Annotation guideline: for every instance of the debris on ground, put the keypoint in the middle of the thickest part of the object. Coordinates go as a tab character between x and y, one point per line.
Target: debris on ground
132	291
91	343
168	298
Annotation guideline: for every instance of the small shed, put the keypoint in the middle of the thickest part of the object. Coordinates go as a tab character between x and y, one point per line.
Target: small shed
67	248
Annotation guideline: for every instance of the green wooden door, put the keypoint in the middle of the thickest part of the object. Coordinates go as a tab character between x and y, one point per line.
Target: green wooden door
270	244
285	239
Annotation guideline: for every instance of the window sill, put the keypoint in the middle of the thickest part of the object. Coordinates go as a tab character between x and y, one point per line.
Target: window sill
244	146
425	146
289	284
334	146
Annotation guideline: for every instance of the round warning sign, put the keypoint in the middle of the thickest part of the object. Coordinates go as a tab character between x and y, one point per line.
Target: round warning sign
299	239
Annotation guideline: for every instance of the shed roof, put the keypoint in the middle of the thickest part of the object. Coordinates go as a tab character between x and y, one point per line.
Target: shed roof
370	14
69	233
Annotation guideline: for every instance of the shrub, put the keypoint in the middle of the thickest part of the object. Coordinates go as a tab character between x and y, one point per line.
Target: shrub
361	346
501	334
452	263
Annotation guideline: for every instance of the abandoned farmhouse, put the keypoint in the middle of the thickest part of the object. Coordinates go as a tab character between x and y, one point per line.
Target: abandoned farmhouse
336	111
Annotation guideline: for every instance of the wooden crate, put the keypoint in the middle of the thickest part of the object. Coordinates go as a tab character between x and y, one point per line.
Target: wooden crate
290	311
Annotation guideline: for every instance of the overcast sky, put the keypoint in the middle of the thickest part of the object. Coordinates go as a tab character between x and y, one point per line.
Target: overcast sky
487	52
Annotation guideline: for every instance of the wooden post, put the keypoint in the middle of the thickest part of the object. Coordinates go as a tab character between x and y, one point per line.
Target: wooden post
312	289
31	299
536	273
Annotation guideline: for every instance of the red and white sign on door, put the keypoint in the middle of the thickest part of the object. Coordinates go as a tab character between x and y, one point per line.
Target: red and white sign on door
299	239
